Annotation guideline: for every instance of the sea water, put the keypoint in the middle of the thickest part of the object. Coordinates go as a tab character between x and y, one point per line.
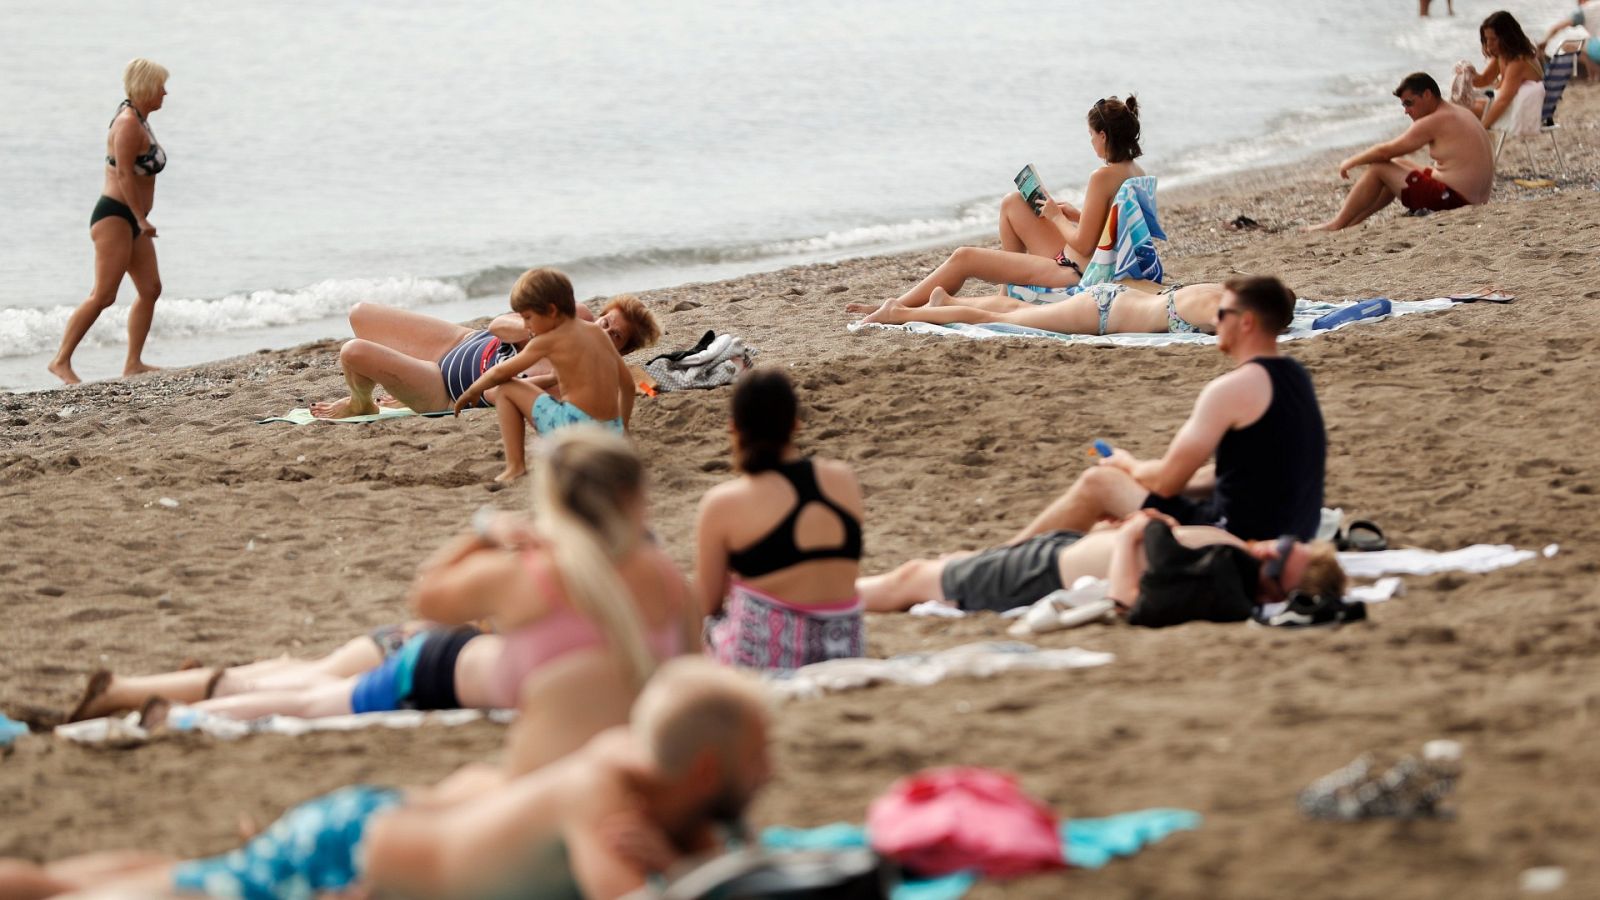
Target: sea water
422	154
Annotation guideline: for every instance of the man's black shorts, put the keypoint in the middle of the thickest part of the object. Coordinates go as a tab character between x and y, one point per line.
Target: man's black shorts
1001	578
1185	510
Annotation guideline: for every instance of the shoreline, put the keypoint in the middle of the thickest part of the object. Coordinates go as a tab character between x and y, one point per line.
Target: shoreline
1447	428
1223	183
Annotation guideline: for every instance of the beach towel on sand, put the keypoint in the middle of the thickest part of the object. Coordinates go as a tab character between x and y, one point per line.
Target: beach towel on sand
1127	248
301	415
1305	313
1085	844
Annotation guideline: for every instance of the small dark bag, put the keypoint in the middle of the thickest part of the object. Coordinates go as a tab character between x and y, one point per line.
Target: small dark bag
1181	584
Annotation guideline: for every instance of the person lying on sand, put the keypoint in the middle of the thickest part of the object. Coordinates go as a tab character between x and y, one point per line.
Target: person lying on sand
424	363
1013	575
598	386
1260	421
691	757
587	606
1100	309
1463	160
779	547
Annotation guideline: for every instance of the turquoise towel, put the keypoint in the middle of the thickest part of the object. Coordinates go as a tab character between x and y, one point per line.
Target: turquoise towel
301	415
1085	843
10	730
1130	255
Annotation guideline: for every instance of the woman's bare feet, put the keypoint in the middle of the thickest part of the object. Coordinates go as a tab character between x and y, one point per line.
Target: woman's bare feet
341	409
861	307
62	369
138	367
939	297
1330	225
882	314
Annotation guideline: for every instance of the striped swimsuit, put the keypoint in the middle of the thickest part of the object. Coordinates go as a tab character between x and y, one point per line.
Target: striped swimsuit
467	361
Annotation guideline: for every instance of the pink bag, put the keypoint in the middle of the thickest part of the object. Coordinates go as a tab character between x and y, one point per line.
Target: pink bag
953	819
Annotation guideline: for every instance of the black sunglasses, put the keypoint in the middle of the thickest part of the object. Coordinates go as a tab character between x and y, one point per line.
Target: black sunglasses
1225	311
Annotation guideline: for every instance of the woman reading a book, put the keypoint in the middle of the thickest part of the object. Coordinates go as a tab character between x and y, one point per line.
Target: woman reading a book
1052	246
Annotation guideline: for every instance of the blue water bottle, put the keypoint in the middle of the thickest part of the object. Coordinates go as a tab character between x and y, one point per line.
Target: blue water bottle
1363	309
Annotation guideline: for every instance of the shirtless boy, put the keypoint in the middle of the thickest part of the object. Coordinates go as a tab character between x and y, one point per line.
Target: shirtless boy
1463	160
598	385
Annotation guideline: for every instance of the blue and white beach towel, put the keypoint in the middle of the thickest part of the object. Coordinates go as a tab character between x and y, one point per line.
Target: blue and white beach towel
1127	248
1305	312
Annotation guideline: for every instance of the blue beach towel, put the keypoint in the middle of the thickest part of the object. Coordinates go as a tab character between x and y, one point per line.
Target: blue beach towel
1305	313
1127	248
1085	844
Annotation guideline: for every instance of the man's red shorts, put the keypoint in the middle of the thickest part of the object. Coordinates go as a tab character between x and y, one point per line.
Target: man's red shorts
1423	191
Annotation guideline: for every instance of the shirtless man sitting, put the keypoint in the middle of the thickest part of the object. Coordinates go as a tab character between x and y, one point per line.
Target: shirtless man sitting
692	757
425	363
1463	160
1013	575
1100	309
1260	421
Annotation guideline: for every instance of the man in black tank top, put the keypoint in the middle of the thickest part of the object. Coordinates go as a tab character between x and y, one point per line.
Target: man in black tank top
1260	421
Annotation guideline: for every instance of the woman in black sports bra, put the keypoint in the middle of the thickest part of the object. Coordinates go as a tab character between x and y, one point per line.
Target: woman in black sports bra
124	239
779	547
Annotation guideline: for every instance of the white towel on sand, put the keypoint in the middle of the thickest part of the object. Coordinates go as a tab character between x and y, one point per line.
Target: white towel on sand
1305	313
981	660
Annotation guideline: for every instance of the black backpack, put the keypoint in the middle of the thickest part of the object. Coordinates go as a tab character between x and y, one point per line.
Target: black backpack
1181	584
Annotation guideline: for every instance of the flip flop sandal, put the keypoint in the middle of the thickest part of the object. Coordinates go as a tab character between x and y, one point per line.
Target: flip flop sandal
1362	536
1492	295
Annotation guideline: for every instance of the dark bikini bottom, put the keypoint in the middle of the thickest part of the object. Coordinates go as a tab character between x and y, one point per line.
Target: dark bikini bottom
108	207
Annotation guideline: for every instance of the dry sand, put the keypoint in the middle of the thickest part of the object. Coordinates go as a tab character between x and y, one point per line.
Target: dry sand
1478	424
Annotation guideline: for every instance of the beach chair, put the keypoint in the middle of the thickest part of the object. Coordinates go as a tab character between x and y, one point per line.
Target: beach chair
1556	77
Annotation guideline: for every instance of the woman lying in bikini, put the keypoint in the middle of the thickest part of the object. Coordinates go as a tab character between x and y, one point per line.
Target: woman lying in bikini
586	605
1101	309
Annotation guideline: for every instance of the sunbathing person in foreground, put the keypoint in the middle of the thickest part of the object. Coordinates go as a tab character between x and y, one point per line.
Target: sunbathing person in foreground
586	606
779	547
598	388
1013	575
1101	309
691	757
1260	421
425	363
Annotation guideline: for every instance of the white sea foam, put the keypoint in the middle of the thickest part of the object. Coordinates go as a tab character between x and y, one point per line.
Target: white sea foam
29	331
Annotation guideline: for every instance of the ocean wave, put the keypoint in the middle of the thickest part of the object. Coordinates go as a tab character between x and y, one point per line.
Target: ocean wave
25	332
864	239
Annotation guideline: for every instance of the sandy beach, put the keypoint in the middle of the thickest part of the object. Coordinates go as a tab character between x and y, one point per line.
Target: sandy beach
1473	425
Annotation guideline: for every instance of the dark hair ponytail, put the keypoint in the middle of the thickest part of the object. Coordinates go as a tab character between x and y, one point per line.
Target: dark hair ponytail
1118	120
765	412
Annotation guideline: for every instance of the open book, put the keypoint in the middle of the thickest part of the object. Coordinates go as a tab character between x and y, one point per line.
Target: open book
1028	183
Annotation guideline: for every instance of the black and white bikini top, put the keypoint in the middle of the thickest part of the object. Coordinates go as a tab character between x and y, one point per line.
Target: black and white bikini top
777	549
153	160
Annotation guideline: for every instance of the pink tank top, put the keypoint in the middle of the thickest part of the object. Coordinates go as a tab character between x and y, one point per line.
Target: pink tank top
561	631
